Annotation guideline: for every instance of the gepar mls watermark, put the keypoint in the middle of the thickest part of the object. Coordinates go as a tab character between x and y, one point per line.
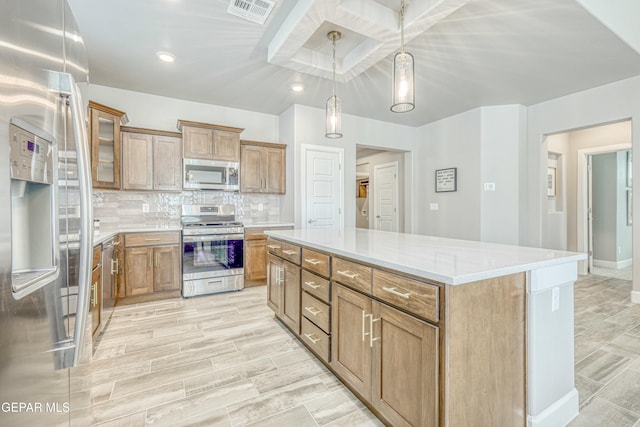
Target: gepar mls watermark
34	407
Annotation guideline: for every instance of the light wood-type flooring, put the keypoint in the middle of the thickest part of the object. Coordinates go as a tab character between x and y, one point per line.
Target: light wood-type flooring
223	360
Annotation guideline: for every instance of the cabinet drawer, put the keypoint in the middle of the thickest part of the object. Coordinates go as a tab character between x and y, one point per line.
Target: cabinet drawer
274	246
351	274
254	234
316	285
316	311
97	256
418	298
316	339
290	252
151	239
316	262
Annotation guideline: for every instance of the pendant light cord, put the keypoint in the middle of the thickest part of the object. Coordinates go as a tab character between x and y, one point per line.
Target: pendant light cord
402	27
334	67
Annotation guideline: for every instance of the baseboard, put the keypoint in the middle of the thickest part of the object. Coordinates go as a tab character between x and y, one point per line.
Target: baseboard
635	297
559	413
619	265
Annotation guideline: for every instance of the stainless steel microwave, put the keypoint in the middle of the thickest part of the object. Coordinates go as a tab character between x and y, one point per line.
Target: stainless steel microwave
200	174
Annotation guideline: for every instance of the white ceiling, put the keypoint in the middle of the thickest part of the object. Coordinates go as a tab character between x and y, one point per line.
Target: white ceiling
487	52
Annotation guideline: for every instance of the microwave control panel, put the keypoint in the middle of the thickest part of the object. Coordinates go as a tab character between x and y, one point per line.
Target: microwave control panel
30	156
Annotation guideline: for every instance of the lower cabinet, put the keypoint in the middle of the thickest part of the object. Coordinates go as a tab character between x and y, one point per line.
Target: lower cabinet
118	267
283	291
95	307
153	263
388	357
255	264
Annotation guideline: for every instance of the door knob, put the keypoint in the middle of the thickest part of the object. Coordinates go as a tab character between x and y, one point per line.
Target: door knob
312	221
377	216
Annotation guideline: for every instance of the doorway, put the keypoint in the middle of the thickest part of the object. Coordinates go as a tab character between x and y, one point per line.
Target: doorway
381	189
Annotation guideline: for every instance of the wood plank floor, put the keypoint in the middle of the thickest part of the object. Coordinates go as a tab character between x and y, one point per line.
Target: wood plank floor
223	360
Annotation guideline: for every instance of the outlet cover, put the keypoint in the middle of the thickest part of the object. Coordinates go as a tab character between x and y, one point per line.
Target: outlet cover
555	299
433	206
145	208
489	186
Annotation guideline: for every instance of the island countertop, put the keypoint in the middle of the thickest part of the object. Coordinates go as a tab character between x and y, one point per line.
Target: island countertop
449	261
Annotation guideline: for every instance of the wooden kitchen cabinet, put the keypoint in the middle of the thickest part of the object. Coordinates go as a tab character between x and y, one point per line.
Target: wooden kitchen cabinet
263	167
105	145
118	267
255	255
95	308
351	353
151	160
153	265
283	291
209	141
274	287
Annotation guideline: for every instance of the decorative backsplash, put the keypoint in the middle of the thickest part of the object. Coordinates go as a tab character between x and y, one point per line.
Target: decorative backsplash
124	209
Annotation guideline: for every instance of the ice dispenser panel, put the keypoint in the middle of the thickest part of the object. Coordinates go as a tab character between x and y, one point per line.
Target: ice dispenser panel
34	257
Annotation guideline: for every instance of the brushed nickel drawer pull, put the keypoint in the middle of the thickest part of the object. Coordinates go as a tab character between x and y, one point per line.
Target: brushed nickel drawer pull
274	247
315	341
395	291
312	285
349	274
313	261
311	310
151	240
289	252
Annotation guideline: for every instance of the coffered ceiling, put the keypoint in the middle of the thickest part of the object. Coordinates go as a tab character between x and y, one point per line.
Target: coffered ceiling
467	53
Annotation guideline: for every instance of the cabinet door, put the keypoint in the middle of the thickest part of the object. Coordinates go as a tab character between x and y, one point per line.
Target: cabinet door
137	166
167	163
226	146
405	368
251	174
105	150
96	295
255	260
197	142
274	159
275	279
118	268
139	271
291	296
166	270
350	341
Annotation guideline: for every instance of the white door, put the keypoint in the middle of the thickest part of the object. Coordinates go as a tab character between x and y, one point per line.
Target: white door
322	187
385	182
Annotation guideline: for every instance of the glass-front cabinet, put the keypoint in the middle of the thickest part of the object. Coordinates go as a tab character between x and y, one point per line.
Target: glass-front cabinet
105	145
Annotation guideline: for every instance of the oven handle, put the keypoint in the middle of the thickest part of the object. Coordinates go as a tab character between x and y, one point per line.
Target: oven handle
212	237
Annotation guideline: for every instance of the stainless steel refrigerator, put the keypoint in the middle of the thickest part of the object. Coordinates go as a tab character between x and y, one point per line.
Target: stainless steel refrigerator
45	211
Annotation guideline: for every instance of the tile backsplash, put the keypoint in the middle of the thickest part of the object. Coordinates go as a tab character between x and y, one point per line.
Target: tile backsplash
125	209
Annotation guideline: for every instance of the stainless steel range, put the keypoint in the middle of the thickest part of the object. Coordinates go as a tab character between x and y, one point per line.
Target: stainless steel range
212	250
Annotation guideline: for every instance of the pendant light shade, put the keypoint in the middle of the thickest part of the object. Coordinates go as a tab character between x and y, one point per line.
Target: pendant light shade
333	127
403	79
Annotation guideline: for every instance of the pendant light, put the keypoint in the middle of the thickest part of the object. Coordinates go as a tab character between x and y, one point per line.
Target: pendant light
403	79
334	105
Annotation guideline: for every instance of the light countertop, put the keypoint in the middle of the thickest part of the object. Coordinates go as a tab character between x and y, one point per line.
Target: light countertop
107	234
268	224
449	261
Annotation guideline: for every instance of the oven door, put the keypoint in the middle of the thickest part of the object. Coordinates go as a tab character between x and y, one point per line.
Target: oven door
212	255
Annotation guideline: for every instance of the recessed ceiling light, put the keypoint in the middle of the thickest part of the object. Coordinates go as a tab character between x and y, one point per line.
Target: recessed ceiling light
297	87
166	56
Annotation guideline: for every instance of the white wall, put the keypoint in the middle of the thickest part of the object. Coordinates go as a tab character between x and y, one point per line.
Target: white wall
308	124
162	113
503	139
605	104
454	142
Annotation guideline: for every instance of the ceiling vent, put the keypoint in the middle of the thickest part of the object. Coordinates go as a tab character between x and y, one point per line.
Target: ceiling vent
252	10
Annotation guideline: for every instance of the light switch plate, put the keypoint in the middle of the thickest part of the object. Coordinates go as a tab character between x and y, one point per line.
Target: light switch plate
433	206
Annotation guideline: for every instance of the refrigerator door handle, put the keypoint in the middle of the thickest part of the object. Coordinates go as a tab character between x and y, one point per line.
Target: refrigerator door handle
70	89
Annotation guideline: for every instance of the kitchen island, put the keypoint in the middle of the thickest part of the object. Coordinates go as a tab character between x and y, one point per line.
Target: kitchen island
433	331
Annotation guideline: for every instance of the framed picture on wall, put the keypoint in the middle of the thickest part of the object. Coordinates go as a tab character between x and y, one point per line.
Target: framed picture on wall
551	182
629	207
446	180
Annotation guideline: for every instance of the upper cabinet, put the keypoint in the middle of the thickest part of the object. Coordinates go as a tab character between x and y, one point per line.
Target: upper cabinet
212	142
105	145
262	167
151	160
